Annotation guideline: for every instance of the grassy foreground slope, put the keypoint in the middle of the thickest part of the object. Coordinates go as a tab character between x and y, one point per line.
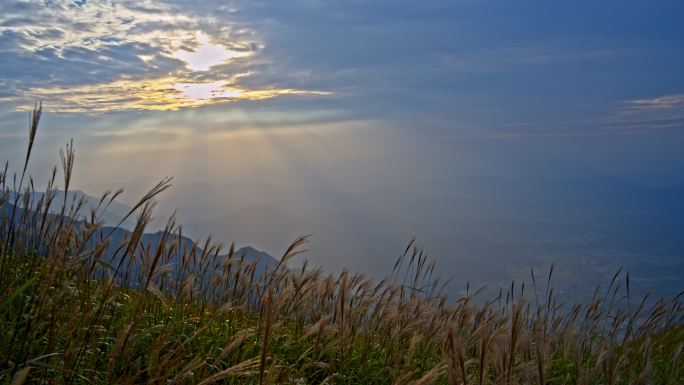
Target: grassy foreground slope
75	308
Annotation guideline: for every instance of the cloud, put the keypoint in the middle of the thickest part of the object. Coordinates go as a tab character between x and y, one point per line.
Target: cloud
661	102
158	94
111	55
62	25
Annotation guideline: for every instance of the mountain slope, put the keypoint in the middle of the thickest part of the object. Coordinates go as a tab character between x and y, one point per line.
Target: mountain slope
110	212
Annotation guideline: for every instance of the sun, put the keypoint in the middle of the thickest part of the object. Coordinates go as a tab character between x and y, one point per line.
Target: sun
207	54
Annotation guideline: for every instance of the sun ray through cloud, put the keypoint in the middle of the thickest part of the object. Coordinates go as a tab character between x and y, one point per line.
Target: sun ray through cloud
131	55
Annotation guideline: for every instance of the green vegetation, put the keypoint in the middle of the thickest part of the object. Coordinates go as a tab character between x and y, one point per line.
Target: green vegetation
78	306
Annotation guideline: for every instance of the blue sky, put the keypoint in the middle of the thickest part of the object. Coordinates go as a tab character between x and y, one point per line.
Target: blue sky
515	88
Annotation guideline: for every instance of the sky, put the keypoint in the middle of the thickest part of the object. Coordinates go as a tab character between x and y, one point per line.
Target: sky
329	97
582	84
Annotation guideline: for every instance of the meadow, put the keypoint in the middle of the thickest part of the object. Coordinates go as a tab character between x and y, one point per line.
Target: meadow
78	306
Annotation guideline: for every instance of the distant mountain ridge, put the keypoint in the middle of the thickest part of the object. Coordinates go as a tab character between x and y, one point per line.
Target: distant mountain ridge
249	254
151	240
111	213
478	229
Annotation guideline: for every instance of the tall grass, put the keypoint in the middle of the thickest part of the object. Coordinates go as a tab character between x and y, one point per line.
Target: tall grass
76	306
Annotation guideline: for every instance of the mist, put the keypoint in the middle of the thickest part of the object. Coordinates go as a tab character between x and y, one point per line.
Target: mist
487	210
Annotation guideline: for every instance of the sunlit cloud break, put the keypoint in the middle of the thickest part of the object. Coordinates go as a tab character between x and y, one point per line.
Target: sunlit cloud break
185	61
162	94
207	54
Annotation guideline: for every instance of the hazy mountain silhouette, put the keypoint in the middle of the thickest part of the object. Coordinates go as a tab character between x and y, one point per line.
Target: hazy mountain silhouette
111	213
481	229
254	224
263	260
118	235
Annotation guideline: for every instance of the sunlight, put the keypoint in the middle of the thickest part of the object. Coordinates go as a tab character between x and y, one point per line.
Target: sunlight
211	90
207	54
158	94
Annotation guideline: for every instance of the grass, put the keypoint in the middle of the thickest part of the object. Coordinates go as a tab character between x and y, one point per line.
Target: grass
75	308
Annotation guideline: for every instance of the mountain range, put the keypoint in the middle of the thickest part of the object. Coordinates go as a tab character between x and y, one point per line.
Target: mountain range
481	230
